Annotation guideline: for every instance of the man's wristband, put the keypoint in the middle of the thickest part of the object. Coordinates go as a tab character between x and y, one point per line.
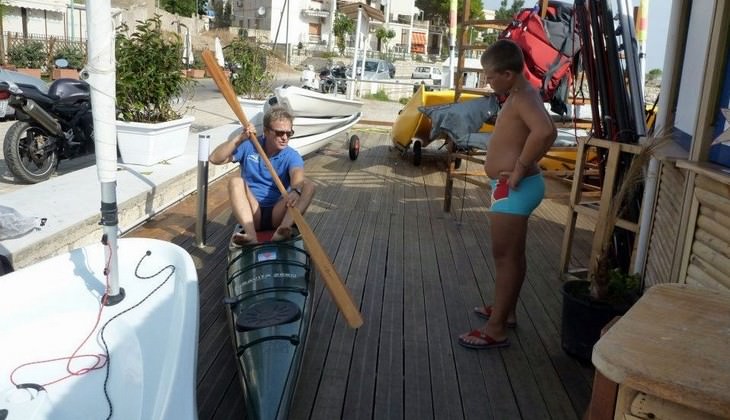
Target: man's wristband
298	191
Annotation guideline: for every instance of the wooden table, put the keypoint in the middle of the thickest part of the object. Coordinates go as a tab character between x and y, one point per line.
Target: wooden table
673	346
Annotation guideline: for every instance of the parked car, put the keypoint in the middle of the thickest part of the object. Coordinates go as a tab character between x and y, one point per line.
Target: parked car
375	69
19	79
391	69
426	72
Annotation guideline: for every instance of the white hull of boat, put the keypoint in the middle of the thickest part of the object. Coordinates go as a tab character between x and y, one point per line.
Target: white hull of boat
307	126
49	308
308	144
308	103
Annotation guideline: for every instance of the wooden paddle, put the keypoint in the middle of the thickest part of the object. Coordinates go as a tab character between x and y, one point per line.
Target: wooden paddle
332	280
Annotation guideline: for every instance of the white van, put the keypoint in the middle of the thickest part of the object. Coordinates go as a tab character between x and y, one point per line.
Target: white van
426	72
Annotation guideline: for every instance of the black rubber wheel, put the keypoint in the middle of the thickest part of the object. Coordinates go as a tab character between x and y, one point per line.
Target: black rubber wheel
29	154
457	163
417	153
354	147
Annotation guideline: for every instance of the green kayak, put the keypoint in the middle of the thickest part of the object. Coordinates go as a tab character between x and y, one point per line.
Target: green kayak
269	288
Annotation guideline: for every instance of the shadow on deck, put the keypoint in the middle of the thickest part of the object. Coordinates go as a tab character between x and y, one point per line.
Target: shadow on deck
416	272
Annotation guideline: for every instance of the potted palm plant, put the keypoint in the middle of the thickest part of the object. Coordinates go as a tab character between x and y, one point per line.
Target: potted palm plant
150	91
609	291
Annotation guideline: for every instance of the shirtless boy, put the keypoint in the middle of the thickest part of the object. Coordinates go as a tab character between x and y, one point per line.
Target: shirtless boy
257	203
522	135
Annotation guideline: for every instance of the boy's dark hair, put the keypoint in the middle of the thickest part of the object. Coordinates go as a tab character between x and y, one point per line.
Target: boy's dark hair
502	56
277	113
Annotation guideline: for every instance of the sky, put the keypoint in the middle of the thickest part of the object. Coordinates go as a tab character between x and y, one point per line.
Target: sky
659	11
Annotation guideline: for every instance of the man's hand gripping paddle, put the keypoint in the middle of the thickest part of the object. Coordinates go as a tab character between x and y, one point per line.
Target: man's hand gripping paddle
332	280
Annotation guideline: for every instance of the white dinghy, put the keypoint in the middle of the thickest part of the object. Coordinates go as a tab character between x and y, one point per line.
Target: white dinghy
109	330
312	142
308	103
49	309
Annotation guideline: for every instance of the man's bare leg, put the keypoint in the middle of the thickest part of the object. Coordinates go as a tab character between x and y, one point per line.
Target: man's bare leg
284	231
509	233
238	194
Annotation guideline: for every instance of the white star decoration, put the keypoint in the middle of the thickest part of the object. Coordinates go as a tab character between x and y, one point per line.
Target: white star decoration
724	137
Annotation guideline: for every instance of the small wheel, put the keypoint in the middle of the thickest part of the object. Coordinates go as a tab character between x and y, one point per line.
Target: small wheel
354	146
417	153
457	163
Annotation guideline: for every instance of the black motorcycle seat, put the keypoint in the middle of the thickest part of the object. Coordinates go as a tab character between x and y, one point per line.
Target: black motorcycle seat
32	92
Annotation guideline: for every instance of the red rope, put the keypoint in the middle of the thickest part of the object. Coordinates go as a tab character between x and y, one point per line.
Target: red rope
101	358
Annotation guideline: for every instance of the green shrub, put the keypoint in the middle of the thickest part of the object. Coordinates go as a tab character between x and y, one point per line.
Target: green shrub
149	73
380	95
250	77
29	54
73	54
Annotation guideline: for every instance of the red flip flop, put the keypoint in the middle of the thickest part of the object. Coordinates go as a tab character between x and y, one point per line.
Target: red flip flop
485	312
487	341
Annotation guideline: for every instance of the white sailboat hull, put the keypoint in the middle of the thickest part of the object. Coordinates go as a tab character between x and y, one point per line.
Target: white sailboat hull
307	126
308	144
49	308
313	142
308	103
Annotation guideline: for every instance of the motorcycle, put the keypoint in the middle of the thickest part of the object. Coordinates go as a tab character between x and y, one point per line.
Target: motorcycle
333	78
309	79
50	127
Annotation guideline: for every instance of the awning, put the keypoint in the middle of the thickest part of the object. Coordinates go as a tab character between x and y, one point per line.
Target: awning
350	10
418	38
58	6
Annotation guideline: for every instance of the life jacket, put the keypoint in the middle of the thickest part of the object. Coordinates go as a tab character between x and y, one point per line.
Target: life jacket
550	47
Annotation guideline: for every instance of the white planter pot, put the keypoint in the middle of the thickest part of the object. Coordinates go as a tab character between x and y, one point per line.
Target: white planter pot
147	144
254	109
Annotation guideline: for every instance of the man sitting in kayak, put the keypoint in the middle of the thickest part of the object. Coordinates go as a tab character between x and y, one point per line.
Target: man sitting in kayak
257	203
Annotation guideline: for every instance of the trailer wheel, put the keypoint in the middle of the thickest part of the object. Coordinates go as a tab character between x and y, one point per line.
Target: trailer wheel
354	146
417	153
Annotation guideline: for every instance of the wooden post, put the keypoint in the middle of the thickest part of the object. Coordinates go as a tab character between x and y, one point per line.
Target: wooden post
543	9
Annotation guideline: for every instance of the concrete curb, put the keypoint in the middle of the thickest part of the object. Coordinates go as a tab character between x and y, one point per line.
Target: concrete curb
72	201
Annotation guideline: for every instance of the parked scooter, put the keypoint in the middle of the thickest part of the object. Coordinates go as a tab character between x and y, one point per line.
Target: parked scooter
333	78
50	127
309	78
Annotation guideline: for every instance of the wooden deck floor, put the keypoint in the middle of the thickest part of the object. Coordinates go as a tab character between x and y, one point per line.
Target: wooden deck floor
416	273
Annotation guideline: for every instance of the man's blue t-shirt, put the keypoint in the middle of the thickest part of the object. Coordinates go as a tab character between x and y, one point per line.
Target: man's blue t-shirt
256	174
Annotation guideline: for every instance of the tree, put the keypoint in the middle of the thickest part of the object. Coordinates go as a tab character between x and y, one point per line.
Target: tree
343	26
384	34
222	11
654	74
437	11
179	7
503	12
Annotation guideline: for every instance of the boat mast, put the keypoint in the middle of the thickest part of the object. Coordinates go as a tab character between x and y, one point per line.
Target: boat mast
101	74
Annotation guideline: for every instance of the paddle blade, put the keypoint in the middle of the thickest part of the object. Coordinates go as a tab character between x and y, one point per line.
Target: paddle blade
332	281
